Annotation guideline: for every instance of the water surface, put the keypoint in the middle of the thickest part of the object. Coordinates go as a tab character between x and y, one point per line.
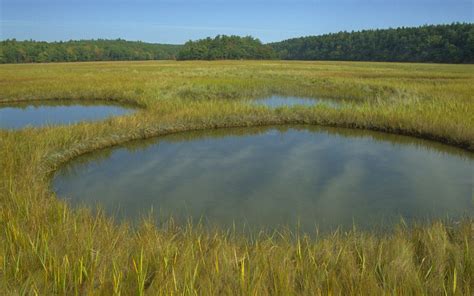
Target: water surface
289	101
269	177
20	115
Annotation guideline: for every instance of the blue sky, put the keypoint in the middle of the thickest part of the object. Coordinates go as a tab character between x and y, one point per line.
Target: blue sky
181	20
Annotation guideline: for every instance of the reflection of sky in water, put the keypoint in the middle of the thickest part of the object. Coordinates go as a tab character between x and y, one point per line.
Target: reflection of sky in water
281	101
277	177
13	117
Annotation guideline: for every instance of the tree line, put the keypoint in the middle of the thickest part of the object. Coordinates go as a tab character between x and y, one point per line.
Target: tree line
13	51
452	43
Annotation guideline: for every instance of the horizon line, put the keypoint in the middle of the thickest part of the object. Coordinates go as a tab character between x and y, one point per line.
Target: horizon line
239	35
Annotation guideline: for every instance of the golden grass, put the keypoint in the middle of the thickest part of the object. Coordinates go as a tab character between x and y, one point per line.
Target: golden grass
48	248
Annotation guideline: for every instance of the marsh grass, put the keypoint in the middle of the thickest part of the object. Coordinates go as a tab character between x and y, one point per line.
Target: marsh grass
48	248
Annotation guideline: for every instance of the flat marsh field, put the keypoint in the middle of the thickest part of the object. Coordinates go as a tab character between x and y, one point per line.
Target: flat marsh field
47	247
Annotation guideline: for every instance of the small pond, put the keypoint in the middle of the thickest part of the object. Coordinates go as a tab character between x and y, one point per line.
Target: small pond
274	176
36	114
288	101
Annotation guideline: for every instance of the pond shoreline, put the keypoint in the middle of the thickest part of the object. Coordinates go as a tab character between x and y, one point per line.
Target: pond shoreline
62	156
116	102
38	114
259	170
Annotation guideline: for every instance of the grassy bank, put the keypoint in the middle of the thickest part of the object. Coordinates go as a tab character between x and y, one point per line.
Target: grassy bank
47	247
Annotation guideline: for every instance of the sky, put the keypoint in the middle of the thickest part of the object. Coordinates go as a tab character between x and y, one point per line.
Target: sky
178	21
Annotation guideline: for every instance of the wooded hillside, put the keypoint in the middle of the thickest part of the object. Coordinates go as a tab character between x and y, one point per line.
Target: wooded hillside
12	51
224	47
452	43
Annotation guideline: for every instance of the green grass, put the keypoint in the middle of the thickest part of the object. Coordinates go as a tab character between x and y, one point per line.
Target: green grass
48	248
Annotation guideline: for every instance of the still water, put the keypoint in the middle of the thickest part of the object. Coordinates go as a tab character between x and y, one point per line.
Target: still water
15	116
276	176
281	101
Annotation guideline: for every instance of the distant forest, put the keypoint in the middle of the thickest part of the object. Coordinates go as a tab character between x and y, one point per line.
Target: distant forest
12	51
224	47
453	43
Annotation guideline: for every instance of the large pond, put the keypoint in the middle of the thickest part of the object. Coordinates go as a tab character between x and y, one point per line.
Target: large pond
37	114
276	176
289	101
